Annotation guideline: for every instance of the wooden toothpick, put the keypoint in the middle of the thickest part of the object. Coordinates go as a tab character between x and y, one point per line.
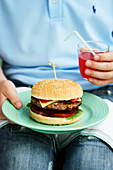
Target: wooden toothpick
53	65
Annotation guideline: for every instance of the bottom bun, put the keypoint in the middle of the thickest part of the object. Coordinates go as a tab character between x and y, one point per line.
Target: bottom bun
53	120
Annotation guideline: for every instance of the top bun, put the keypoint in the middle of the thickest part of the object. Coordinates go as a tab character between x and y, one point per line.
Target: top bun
56	89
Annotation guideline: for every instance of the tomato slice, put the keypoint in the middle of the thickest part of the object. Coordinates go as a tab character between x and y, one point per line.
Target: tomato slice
63	115
54	113
74	100
44	101
34	109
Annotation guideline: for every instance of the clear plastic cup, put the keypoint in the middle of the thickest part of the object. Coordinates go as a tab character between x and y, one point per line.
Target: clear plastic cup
85	54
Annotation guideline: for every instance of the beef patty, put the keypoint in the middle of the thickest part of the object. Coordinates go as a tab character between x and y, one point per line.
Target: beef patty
58	105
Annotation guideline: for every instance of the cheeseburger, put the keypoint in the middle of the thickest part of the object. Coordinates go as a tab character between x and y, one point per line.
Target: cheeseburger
56	102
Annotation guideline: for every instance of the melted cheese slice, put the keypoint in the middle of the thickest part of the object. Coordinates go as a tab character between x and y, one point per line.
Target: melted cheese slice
46	103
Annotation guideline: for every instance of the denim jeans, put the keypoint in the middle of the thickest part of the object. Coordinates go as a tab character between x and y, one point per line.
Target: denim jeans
87	153
24	149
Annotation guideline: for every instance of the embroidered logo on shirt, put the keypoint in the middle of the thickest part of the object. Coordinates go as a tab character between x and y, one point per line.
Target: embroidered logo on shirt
112	33
94	9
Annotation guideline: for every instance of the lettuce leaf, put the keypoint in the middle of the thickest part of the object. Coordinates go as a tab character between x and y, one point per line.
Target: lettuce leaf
29	105
79	112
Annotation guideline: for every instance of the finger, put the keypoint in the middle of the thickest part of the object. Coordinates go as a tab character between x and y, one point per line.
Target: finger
99	75
104	56
2	100
106	66
12	96
100	82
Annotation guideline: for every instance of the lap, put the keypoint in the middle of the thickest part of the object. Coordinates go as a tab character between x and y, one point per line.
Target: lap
22	148
87	153
25	149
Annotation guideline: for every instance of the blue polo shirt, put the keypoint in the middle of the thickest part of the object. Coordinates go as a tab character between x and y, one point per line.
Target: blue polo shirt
32	33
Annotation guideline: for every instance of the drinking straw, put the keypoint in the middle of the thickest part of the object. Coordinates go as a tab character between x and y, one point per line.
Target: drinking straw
81	38
53	65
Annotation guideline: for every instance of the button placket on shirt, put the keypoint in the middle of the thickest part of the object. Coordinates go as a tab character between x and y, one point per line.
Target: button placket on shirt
54	1
55	10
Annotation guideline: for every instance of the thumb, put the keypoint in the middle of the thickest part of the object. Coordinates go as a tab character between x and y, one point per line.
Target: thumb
16	102
14	99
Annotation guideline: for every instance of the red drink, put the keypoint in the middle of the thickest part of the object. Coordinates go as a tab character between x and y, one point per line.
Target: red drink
83	56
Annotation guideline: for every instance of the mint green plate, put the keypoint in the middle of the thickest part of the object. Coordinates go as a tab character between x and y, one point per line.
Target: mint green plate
94	108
